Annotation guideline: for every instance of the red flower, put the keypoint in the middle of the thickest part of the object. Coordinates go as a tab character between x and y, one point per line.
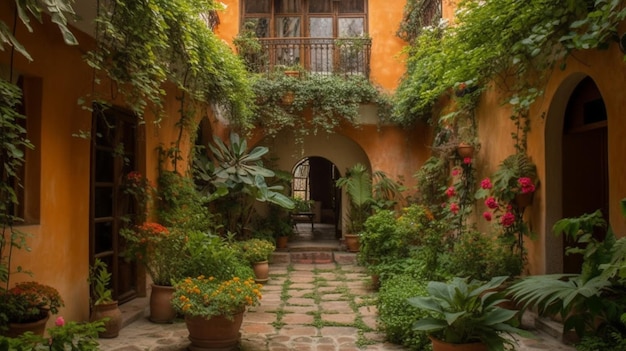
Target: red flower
491	202
455	172
507	220
486	183
467	160
454	208
450	191
526	185
487	216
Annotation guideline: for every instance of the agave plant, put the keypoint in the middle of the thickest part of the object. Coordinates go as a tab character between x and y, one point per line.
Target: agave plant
463	311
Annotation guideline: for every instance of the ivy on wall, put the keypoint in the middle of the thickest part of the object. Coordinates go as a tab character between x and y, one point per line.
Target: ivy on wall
514	44
332	100
141	45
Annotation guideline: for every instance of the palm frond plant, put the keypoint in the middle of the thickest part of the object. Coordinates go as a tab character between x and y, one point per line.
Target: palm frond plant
357	183
593	301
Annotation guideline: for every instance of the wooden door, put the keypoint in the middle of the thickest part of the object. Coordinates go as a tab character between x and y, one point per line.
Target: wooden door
113	157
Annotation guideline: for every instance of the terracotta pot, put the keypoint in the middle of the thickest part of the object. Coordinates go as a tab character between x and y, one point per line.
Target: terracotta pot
215	333
37	327
261	271
281	242
465	150
161	310
523	200
439	345
113	323
352	242
375	281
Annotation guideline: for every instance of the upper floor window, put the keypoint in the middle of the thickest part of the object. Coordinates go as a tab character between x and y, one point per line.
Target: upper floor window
306	18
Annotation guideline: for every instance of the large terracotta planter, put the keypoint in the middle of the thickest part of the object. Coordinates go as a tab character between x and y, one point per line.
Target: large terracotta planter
113	318
161	310
439	345
37	327
261	271
352	242
215	333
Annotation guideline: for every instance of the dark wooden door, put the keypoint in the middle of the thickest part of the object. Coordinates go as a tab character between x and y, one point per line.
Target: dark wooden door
113	157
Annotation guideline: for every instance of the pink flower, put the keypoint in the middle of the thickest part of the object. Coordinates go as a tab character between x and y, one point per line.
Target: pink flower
487	216
526	185
467	160
491	202
455	172
450	191
486	183
454	208
507	219
59	322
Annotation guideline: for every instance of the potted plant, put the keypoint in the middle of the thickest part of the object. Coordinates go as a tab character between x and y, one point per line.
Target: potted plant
466	312
159	250
104	307
27	307
214	308
257	252
357	183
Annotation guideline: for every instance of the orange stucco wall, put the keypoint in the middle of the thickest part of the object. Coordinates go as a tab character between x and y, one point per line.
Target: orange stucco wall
59	232
608	71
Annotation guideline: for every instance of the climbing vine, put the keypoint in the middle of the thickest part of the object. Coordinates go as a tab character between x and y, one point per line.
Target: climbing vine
533	38
141	45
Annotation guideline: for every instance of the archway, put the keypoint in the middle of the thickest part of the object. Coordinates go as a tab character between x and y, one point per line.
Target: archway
322	151
576	163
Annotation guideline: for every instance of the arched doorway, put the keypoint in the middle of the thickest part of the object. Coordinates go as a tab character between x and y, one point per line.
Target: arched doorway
585	160
314	180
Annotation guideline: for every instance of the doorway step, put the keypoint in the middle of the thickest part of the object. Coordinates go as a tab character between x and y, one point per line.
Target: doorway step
317	245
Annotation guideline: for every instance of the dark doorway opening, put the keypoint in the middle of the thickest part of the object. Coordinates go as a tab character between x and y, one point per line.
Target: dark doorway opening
585	161
314	179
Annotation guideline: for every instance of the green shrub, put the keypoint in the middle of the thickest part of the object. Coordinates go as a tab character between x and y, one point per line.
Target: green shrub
479	256
396	315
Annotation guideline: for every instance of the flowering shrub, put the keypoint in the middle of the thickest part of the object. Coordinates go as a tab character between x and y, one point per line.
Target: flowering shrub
63	336
158	249
208	296
515	177
459	194
256	250
29	302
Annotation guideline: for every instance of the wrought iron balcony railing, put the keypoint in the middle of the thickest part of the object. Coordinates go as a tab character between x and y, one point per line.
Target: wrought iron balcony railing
348	56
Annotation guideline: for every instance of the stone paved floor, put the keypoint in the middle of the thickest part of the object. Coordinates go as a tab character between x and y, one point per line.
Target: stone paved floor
329	308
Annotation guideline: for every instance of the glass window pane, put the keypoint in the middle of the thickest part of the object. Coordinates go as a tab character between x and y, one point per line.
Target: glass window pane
257	6
321	52
287	6
261	26
288	27
351	27
320	6
321	27
352	6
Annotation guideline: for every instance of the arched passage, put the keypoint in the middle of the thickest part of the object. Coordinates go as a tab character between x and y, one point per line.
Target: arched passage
323	149
576	162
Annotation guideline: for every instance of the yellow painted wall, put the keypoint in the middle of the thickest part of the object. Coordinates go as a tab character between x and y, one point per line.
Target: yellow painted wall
60	238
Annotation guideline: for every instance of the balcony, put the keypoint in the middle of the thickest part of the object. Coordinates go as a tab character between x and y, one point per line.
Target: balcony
324	56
